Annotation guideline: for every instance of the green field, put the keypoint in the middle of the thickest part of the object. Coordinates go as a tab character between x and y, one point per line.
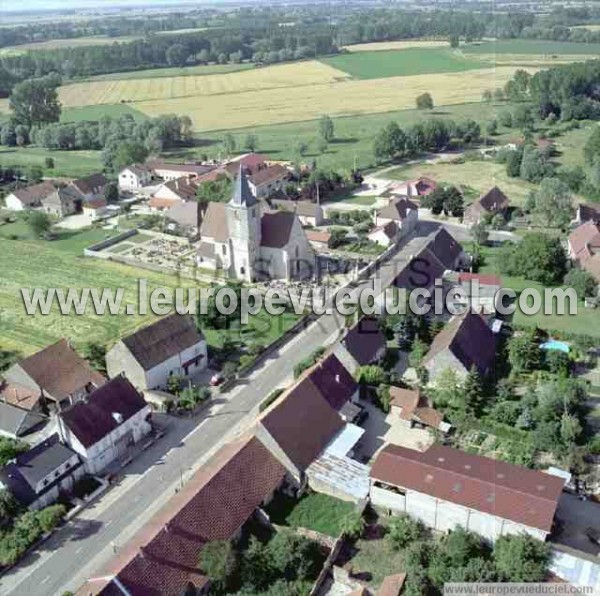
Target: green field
175	71
31	263
531	46
66	163
95	113
585	322
395	63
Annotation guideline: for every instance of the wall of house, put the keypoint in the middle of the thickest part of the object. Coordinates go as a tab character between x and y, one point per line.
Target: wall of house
157	377
59	471
119	360
65	485
445	516
13	203
128	180
410	222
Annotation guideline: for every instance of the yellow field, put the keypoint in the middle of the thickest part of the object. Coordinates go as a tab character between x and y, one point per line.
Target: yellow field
590	27
55	44
535	60
340	98
396	45
165	89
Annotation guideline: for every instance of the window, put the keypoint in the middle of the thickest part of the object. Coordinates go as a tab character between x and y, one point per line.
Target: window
224	249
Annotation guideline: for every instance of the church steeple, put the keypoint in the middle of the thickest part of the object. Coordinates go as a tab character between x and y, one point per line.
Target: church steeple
242	195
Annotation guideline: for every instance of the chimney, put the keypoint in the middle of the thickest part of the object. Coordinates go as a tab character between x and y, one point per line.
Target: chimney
337	378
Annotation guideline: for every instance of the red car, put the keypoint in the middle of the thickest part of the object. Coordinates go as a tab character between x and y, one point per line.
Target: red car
216	379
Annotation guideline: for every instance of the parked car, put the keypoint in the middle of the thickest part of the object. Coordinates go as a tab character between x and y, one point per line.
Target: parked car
216	379
593	535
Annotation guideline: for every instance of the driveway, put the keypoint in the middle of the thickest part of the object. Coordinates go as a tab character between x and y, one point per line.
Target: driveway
576	516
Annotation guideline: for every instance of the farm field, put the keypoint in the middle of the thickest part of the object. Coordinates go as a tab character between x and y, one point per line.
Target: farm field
396	45
61	265
66	163
339	98
477	176
166	89
391	63
174	71
531	46
55	44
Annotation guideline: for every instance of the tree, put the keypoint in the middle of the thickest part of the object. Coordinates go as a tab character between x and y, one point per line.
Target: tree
251	142
524	353
118	154
480	233
523	117
40	223
402	531
216	191
557	362
473	392
293	556
301	148
390	142
338	237
453	201
538	257
35	101
487	96
34	174
535	165
434	200
491	128
219	561
229	143
9	507
521	558
454	41
95	354
353	525
370	374
553	203
111	192
424	101
326	129
49	163
176	55
582	281
322	145
10	448
417	353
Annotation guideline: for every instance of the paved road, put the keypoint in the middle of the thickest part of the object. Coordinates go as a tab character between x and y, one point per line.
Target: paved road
80	549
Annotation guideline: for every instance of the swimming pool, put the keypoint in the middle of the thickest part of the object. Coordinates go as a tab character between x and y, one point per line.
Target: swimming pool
554	344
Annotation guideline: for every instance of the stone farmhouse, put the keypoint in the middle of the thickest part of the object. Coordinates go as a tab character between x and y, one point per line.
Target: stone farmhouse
41	384
465	343
103	426
402	212
412	408
171	346
29	197
414	189
445	487
249	242
134	177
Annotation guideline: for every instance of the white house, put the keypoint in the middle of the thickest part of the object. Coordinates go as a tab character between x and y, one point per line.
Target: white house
37	477
29	197
134	176
148	357
249	241
103	427
266	180
386	234
95	209
445	487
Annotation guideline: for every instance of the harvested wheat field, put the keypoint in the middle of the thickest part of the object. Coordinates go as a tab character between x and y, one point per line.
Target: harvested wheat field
340	98
396	45
163	89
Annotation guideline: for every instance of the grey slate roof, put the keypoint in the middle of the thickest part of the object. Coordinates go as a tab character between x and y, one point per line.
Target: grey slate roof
22	476
158	342
11	419
242	195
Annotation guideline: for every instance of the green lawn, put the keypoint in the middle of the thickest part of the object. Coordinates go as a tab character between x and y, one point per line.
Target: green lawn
66	163
531	46
353	141
31	263
585	322
314	511
477	176
395	63
184	71
94	113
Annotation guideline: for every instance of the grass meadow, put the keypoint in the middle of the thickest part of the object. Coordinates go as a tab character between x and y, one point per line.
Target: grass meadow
66	163
531	46
394	63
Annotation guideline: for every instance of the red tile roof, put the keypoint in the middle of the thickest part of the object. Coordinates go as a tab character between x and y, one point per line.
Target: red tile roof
397	210
585	240
32	195
392	585
156	203
162	558
269	174
415	407
318	236
59	370
524	496
482	278
302	422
